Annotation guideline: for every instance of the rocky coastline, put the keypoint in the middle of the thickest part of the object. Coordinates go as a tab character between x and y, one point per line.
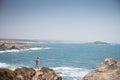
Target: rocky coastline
25	73
108	70
12	44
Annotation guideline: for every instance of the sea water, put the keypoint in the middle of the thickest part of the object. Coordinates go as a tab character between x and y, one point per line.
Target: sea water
72	61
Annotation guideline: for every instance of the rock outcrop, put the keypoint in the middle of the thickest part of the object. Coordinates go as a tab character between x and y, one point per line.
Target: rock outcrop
28	74
100	42
11	44
109	70
46	74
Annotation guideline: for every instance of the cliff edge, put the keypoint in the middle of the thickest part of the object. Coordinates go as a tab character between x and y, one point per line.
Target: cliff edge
109	70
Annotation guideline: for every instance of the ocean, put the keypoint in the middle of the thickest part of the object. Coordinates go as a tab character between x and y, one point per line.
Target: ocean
72	60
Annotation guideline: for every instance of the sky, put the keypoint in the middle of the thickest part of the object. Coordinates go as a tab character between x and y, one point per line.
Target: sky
73	20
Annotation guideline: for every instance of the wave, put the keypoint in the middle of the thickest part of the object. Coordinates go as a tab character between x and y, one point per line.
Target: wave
31	49
14	50
46	48
4	65
71	72
37	48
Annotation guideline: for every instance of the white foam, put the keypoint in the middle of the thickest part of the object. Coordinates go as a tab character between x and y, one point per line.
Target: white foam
6	65
46	48
14	50
3	65
37	48
31	49
71	71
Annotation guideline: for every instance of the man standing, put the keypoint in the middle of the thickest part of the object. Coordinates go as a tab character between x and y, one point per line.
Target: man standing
37	63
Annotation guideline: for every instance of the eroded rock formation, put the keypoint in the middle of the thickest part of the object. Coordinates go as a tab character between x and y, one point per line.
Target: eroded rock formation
109	70
28	74
11	44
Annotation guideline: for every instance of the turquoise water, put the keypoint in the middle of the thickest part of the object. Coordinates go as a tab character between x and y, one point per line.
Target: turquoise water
71	60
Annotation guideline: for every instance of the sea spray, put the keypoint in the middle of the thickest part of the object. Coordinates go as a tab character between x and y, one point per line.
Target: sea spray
71	73
3	65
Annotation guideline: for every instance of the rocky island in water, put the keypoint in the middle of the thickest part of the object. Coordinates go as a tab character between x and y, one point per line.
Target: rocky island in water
99	42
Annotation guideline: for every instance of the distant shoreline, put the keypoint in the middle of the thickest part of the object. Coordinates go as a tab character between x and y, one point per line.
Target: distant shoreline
98	42
29	41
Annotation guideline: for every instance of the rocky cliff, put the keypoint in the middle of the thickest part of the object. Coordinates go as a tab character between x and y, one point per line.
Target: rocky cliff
28	74
11	44
109	70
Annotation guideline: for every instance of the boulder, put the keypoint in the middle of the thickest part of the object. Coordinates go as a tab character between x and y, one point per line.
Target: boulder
49	74
6	74
28	74
24	73
108	70
46	74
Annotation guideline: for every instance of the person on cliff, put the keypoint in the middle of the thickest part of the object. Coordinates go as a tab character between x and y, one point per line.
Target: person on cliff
37	63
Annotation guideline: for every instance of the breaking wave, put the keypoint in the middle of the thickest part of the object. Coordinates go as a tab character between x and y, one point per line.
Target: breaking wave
4	65
14	50
31	49
71	72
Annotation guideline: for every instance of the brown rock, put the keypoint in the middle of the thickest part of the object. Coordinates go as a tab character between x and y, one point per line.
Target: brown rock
6	74
24	73
12	44
109	70
48	74
28	74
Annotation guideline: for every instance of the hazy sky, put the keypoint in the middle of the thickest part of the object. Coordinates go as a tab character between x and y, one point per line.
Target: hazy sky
77	20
